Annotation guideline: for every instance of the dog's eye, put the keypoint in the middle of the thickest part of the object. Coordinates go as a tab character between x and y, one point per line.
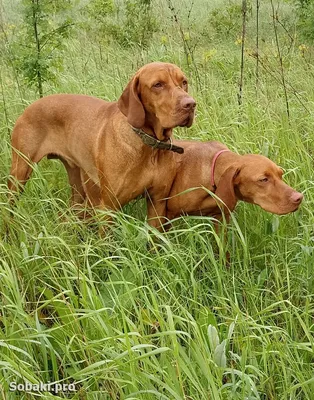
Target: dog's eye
157	85
184	83
263	180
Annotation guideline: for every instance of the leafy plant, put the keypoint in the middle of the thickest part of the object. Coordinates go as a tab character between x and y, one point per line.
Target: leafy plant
140	23
305	13
41	40
129	24
227	20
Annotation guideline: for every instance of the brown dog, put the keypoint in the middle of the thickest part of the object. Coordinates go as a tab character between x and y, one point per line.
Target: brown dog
232	177
208	167
111	150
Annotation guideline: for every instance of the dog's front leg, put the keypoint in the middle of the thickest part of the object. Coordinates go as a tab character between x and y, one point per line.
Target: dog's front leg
156	213
105	201
156	217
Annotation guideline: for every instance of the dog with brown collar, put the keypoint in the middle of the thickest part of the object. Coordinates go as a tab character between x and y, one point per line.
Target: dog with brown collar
111	150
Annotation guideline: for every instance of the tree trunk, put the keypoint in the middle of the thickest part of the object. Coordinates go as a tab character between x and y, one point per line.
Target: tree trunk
35	7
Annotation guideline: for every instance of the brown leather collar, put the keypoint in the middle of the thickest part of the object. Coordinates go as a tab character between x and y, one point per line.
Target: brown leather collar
157	144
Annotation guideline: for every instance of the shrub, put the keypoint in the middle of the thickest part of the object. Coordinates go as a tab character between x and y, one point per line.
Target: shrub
227	19
305	14
134	23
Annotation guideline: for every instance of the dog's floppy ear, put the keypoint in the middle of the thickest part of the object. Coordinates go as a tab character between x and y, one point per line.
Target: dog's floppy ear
130	104
225	190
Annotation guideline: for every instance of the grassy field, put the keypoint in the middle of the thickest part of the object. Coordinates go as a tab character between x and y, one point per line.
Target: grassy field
172	322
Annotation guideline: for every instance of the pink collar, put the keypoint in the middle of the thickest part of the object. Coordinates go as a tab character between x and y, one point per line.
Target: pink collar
212	171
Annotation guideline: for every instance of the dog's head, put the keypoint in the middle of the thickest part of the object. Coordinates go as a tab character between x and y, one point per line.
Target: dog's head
156	98
258	180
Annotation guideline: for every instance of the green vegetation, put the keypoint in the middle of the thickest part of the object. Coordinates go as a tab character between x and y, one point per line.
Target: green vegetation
171	322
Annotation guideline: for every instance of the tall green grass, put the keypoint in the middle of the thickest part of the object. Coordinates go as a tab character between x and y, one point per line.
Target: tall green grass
124	320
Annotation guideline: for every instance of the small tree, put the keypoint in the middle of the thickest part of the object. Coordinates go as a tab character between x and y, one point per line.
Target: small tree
41	40
130	23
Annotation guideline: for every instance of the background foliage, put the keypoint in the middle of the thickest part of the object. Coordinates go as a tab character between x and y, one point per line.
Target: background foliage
124	322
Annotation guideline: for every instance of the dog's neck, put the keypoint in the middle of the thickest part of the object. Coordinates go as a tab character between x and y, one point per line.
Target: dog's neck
154	135
212	170
223	162
160	133
151	141
154	128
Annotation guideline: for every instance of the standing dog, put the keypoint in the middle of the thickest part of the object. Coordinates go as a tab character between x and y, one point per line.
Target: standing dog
111	150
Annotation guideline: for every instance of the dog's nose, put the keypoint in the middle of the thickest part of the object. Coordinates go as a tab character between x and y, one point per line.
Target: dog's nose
297	197
188	103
